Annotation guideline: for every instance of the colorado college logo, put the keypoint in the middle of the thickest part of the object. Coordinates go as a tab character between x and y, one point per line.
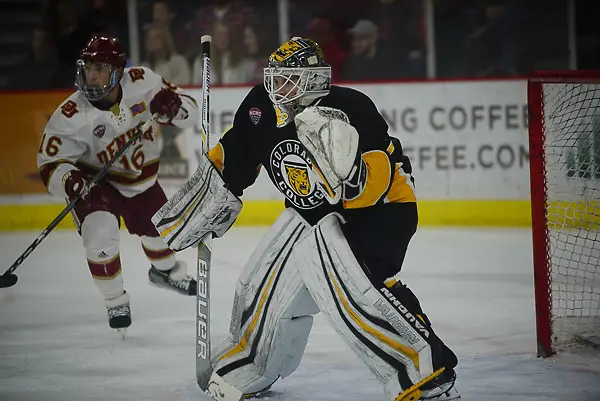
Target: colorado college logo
290	169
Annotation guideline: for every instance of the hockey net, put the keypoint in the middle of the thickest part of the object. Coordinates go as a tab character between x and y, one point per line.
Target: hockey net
564	140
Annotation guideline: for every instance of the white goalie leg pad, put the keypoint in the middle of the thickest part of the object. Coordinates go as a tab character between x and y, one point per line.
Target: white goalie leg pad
272	313
388	342
203	205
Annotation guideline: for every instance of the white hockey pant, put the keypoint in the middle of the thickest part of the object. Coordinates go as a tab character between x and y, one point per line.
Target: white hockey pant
272	313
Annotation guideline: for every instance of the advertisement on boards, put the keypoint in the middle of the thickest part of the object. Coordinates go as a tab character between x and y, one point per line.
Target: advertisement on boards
466	140
24	116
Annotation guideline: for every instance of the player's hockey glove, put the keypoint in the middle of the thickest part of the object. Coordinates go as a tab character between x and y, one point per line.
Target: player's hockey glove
166	103
74	183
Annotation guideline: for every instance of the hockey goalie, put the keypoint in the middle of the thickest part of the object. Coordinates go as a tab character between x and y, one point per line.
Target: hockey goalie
350	214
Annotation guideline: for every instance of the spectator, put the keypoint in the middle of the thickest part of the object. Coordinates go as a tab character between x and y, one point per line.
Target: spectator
320	31
233	12
494	47
229	64
230	12
402	33
366	61
257	47
455	21
41	69
108	16
164	15
299	17
162	58
71	34
265	14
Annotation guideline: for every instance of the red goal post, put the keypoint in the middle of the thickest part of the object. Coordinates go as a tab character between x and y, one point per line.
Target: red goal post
564	146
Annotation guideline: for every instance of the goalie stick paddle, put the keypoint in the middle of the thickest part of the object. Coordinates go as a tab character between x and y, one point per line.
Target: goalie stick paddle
211	383
8	279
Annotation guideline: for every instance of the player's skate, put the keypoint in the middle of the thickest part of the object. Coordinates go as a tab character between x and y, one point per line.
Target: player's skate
175	279
119	313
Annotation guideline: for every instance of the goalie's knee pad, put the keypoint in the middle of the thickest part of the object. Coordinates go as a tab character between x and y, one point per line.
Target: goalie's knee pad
272	313
388	337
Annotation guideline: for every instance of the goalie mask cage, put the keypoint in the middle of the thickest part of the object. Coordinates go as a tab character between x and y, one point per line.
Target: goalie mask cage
564	145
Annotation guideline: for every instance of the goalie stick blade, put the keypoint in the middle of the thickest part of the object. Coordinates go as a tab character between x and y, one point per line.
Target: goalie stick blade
8	280
220	390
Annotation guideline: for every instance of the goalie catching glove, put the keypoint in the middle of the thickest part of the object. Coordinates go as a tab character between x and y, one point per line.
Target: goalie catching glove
333	145
203	205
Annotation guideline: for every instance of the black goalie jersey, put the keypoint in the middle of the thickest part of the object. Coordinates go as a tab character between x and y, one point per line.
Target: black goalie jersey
254	140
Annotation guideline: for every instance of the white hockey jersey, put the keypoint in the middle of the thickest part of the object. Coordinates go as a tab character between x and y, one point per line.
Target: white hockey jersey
78	135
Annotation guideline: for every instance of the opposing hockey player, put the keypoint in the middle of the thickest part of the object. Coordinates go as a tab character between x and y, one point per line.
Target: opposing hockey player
83	134
337	247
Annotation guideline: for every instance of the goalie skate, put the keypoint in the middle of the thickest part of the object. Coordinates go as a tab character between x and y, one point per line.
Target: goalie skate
441	388
175	279
264	393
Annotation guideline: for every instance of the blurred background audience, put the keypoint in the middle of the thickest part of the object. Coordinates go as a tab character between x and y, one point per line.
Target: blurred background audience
363	41
162	57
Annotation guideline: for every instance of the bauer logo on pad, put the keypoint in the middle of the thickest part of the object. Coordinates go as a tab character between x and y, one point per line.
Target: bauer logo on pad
255	115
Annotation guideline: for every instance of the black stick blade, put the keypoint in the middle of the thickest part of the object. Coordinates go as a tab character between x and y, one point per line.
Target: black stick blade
8	280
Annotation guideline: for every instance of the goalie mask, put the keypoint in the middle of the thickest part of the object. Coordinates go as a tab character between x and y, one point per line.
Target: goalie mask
100	67
295	77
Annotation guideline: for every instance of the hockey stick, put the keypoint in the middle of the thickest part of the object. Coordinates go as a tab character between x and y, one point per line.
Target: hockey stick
8	279
203	364
211	383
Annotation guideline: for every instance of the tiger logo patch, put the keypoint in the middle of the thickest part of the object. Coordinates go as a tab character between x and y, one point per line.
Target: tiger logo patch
298	177
291	173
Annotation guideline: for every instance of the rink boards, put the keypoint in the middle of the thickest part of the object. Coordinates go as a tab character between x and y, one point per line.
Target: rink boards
467	141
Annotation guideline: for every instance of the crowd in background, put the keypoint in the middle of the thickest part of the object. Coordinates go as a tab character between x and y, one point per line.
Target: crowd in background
362	40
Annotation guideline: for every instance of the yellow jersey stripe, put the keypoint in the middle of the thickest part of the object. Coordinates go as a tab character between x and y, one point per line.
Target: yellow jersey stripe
217	156
379	173
401	191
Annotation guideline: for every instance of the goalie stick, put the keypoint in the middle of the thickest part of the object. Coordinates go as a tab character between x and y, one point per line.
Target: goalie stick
211	383
8	279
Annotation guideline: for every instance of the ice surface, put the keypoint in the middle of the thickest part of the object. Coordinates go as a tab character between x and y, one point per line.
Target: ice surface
475	285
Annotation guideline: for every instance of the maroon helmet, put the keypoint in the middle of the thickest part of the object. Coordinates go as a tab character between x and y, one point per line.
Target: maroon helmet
101	54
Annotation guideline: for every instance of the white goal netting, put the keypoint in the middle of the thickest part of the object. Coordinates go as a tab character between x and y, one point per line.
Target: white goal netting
571	135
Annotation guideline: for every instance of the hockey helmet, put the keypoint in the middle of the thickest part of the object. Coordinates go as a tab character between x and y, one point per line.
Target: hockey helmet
101	57
297	74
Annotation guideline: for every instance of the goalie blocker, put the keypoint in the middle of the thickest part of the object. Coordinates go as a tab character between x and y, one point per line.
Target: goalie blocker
203	205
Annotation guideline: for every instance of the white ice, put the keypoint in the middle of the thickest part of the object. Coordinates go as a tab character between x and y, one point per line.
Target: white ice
475	285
